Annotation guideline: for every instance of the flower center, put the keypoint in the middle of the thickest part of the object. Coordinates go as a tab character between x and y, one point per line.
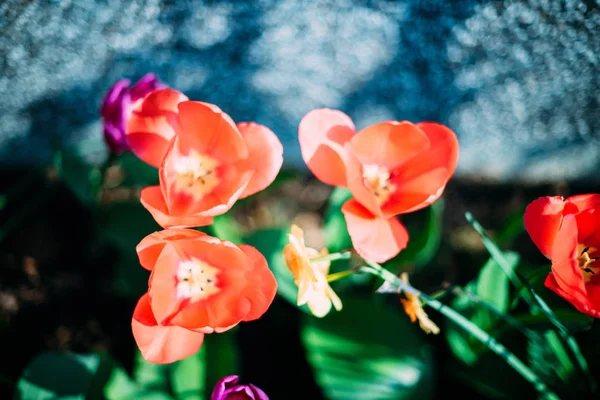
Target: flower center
196	280
378	179
586	263
195	173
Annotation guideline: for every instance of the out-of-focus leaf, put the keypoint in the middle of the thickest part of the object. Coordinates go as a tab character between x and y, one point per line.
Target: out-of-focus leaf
270	243
225	227
368	351
492	286
562	310
82	178
512	228
124	225
221	356
136	171
425	240
188	376
335	230
150	376
58	376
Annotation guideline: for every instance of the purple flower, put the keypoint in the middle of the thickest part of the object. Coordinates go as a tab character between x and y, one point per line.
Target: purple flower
117	106
228	389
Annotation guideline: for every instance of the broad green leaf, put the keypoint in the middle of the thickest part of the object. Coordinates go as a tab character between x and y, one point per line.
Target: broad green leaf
492	286
335	230
150	376
425	239
58	376
82	178
188	376
222	357
368	351
270	243
225	227
136	171
124	225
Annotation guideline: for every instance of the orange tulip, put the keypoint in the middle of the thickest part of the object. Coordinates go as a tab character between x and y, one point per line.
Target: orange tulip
206	162
198	284
567	231
391	168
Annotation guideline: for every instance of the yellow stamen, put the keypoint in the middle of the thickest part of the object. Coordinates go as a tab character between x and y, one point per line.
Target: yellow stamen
586	263
196	280
378	178
195	173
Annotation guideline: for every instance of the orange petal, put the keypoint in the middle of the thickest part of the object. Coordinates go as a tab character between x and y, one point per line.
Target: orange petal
322	134
356	183
152	199
262	286
374	238
163	285
442	152
223	309
585	201
208	130
389	144
161	344
542	220
416	193
151	246
152	124
265	155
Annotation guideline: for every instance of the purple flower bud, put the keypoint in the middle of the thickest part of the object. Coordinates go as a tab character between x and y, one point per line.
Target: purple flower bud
117	105
228	389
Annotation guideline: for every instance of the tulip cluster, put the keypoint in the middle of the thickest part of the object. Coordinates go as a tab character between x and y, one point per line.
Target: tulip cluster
198	284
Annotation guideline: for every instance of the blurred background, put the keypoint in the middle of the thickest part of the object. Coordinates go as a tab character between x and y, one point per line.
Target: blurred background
518	81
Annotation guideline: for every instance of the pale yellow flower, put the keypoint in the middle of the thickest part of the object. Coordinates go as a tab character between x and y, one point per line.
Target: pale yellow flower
414	309
310	277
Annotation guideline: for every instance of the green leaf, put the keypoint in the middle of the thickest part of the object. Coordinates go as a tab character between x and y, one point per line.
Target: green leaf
425	240
335	230
124	225
188	376
270	243
136	171
222	355
492	286
82	178
58	376
225	227
368	351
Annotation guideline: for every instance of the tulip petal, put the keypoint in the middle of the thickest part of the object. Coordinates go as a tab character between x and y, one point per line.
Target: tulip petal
152	199
374	238
265	156
442	152
152	245
542	221
208	130
356	183
585	201
389	144
322	134
152	125
162	344
262	285
416	193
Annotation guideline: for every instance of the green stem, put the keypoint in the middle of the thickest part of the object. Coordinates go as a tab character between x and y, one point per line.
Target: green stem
342	274
333	257
468	326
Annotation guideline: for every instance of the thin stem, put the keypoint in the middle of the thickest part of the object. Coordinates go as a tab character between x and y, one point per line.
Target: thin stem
342	274
333	257
509	319
468	326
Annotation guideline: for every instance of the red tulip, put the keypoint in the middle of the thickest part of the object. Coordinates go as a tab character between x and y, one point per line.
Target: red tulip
206	162
391	168
198	284
568	233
